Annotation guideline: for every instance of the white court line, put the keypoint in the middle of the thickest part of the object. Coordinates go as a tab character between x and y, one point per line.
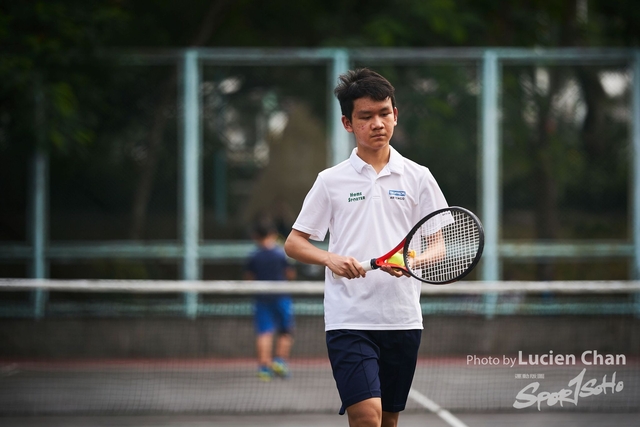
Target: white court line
432	406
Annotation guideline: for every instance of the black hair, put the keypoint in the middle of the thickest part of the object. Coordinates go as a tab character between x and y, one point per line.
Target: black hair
360	83
263	226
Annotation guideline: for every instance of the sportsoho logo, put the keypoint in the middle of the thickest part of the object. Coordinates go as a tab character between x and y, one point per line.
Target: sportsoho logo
579	387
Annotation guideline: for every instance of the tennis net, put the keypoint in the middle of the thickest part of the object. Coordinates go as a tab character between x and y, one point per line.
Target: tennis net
155	347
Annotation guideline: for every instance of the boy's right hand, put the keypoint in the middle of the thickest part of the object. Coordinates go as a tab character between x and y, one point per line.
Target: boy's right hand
343	266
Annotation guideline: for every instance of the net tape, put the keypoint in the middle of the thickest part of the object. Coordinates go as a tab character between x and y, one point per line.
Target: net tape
248	287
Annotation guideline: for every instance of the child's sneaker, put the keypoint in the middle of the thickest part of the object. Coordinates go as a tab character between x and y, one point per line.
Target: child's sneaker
280	368
264	373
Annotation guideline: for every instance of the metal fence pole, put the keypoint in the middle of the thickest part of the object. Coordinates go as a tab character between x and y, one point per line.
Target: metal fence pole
490	158
340	144
635	144
191	168
38	204
39	228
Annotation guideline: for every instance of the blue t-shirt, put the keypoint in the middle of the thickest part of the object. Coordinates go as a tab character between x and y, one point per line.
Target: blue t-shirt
268	264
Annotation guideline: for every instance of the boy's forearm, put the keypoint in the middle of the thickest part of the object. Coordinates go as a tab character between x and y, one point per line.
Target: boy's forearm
301	249
298	247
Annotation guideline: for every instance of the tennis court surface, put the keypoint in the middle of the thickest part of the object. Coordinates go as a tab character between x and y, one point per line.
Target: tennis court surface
522	354
323	420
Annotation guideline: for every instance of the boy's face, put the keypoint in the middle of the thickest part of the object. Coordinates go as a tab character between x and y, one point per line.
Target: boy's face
372	122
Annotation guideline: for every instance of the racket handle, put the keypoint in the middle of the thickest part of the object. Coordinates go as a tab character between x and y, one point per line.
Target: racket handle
366	265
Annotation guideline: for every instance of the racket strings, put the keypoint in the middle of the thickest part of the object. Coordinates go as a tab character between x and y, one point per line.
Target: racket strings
444	247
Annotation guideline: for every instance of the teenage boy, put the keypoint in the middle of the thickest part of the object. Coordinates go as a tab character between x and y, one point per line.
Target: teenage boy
367	203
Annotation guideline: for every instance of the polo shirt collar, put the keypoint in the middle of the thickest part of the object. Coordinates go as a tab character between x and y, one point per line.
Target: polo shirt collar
395	165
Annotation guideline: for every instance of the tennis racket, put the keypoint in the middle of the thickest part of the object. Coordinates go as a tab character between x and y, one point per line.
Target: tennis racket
441	248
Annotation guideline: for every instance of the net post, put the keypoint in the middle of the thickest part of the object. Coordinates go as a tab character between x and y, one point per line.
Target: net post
192	141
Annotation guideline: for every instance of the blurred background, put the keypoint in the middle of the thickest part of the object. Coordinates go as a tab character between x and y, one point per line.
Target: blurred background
93	125
138	140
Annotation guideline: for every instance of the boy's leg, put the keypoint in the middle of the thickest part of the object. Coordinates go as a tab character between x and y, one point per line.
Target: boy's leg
369	413
284	342
390	419
395	354
264	340
354	360
264	344
365	413
263	349
283	312
280	364
398	358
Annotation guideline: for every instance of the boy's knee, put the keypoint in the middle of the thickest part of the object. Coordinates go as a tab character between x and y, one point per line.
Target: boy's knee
367	413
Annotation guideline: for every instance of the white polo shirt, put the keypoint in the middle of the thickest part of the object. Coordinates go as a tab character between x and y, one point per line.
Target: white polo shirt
367	214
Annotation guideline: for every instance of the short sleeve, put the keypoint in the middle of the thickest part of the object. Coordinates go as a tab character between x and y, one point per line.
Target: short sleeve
315	214
431	197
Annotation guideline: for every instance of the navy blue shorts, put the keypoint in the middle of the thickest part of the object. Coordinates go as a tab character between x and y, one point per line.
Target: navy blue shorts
370	364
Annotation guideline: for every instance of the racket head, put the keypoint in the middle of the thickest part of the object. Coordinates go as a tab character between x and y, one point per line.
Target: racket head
444	246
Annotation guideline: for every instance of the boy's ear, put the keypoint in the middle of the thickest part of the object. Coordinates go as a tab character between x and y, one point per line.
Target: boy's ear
347	124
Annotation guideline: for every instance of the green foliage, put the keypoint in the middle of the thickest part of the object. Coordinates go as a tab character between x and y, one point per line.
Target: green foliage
52	40
48	50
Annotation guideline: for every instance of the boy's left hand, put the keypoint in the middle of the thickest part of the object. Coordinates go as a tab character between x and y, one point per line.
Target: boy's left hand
395	272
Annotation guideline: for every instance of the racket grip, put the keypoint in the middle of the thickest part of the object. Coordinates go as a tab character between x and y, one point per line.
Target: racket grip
366	265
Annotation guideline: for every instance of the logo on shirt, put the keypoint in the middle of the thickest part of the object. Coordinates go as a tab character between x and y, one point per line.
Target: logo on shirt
356	197
397	194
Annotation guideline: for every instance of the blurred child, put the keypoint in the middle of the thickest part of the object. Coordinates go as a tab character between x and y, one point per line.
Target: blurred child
273	312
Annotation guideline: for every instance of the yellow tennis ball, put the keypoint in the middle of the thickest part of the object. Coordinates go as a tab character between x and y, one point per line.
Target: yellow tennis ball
396	258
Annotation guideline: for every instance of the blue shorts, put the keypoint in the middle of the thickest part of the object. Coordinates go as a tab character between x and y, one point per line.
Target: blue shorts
274	314
370	364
